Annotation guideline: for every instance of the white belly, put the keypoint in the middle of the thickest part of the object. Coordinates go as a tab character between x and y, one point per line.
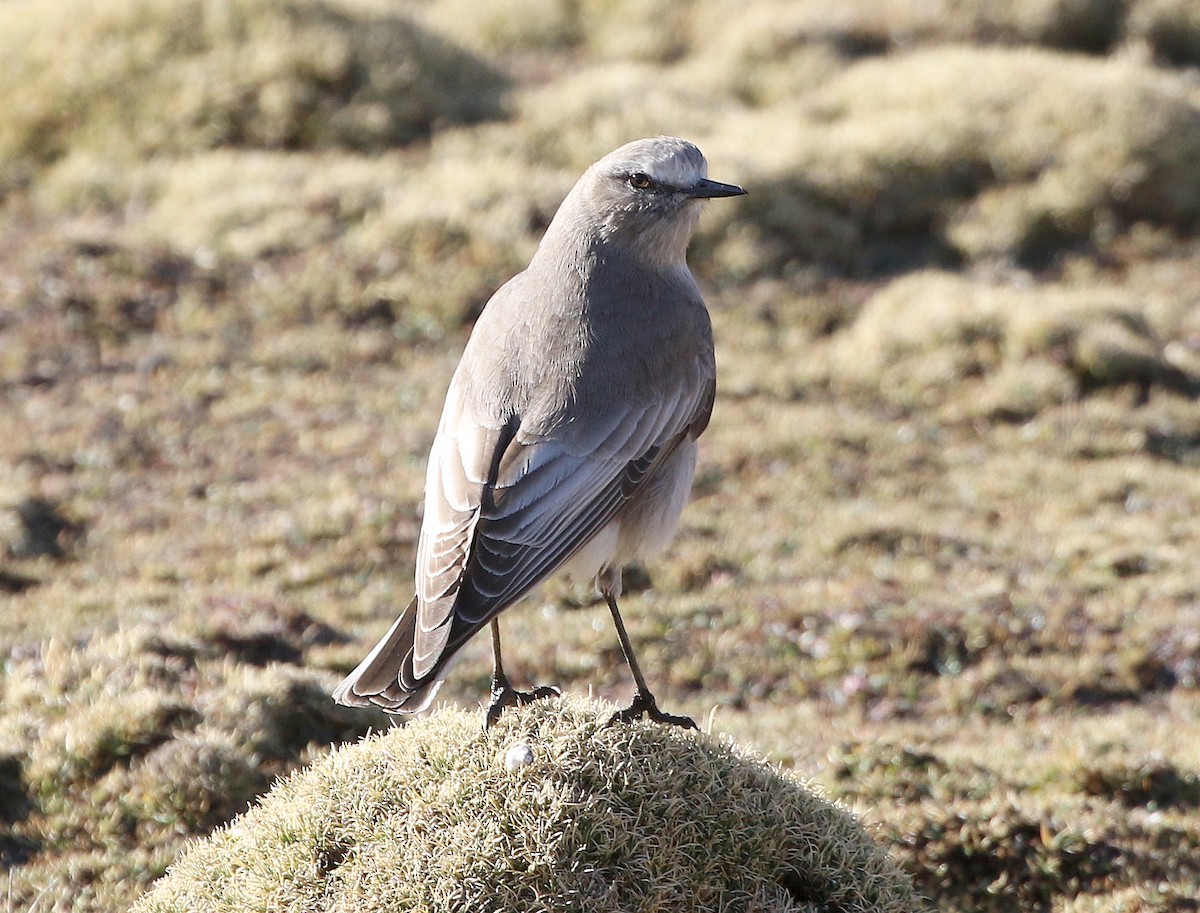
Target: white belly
645	526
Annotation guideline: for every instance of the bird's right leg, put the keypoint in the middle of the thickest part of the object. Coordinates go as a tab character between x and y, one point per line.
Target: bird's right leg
643	704
503	693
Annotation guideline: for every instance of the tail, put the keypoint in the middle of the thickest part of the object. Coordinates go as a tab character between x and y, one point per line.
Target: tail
376	681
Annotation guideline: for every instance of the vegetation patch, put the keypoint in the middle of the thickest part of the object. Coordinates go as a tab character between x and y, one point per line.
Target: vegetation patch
905	774
133	742
138	77
995	858
437	815
972	154
1024	349
1170	27
1153	784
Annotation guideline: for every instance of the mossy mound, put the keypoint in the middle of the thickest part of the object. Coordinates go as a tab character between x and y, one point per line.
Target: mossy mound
648	30
1170	27
641	817
924	336
968	154
377	231
134	77
115	750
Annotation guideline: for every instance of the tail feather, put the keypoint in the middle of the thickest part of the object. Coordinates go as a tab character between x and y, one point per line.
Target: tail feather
376	680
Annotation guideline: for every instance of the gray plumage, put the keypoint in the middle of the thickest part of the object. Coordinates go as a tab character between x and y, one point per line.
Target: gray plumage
568	436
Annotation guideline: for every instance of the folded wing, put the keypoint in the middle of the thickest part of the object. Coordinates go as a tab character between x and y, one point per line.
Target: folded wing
506	506
511	506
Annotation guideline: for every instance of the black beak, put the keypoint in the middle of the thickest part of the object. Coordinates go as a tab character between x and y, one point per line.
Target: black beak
705	189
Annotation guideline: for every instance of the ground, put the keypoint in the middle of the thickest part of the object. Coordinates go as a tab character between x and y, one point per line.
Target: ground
940	556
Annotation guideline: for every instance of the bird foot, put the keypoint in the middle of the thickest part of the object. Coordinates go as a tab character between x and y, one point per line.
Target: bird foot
504	695
644	706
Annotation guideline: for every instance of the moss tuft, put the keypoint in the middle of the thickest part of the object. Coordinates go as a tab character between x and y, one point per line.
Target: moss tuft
921	337
134	741
137	77
1155	784
978	154
603	818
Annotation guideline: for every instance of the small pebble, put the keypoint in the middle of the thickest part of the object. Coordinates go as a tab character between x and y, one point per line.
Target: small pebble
518	756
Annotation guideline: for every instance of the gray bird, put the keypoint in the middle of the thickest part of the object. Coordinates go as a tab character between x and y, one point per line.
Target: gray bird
568	437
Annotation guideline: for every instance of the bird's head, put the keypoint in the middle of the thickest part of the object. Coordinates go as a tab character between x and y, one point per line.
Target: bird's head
647	195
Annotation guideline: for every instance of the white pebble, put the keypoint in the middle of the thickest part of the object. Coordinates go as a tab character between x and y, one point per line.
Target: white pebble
518	756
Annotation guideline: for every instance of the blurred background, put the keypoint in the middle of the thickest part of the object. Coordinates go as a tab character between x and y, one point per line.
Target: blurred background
942	552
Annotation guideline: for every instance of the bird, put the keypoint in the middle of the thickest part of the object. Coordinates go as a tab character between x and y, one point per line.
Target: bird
567	441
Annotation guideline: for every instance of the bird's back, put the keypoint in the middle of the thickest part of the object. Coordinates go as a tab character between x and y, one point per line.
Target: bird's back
617	334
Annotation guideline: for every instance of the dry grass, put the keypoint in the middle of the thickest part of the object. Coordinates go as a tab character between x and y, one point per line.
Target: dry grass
433	817
940	556
138	77
131	741
653	32
974	154
924	337
1170	27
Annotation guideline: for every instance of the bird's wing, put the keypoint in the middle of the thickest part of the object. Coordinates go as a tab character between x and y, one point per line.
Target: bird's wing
507	506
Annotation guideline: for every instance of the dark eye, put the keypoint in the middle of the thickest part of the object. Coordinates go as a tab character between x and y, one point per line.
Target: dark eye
639	180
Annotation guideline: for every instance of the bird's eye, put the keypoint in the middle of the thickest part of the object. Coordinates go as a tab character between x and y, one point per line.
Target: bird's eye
639	180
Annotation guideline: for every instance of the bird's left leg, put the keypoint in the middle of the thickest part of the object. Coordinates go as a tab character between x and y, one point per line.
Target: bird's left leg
503	693
643	704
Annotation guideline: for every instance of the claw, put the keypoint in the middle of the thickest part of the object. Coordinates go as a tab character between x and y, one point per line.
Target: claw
644	705
506	696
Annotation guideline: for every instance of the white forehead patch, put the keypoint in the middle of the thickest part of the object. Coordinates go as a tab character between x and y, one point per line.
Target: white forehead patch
674	162
678	170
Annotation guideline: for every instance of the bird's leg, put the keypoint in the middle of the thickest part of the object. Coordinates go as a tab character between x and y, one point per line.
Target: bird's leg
643	704
503	693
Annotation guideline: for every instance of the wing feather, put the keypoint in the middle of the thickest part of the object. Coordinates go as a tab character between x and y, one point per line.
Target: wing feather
510	504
